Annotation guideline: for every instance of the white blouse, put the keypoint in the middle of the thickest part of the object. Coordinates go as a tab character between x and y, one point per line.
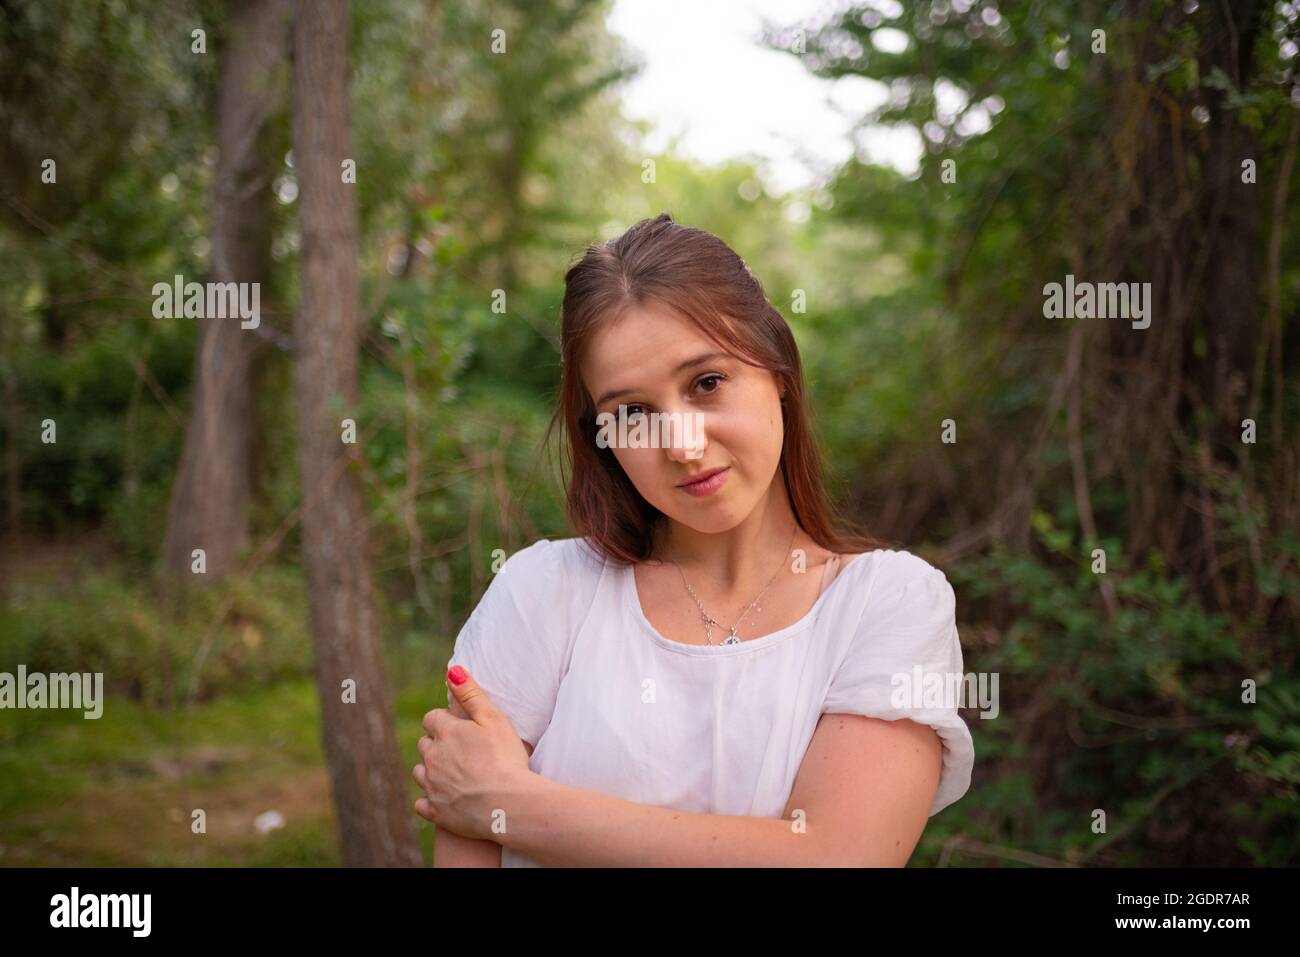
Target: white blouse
560	643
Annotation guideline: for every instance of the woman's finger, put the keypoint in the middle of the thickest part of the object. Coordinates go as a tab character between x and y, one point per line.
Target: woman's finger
428	724
425	810
421	777
424	744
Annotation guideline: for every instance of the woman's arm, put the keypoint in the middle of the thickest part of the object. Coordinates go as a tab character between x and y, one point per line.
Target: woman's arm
455	850
861	799
452	850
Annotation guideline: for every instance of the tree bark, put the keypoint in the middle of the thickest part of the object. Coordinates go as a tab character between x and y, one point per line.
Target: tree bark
13	466
210	498
368	781
1232	223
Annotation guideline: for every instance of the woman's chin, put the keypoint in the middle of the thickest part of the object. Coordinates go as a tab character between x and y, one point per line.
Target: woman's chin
708	521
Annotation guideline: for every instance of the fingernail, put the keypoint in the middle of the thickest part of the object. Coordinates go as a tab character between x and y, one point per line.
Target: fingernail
457	675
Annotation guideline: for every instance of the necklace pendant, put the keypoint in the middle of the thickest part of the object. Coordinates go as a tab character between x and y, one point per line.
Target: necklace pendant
731	640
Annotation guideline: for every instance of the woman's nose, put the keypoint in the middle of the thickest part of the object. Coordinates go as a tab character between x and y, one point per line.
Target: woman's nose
687	438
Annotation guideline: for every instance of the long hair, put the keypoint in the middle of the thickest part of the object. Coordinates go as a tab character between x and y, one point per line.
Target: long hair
699	276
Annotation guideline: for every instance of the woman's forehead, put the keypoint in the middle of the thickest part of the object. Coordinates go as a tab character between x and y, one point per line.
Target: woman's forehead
644	347
644	330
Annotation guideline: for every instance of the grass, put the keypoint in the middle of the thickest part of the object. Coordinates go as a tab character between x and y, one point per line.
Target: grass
121	790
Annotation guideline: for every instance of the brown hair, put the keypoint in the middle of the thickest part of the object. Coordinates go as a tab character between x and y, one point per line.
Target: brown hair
699	276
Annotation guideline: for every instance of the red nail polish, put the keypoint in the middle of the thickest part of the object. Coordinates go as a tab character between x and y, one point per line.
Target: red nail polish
457	675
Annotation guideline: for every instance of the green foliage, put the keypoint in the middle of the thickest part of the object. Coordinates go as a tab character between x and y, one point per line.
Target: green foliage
247	631
1149	702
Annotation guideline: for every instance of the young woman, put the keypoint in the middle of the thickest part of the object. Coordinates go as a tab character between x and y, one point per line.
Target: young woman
709	673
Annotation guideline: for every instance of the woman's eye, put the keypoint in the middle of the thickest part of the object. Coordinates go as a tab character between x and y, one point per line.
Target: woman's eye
632	410
709	383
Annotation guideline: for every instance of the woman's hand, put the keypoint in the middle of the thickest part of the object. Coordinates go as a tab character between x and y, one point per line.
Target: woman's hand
469	764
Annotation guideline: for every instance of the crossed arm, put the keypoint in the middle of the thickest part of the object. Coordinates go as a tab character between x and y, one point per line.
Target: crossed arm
861	799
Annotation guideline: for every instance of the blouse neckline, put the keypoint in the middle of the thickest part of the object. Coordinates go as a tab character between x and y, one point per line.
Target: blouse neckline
632	601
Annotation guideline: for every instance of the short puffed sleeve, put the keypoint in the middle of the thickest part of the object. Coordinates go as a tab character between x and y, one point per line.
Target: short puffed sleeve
514	642
905	661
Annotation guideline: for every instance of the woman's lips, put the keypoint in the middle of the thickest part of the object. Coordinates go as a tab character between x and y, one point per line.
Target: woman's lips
709	483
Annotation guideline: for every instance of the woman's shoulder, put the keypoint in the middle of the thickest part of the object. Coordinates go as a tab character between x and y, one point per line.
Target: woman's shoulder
907	590
893	566
899	612
547	553
564	573
885	566
896	586
572	556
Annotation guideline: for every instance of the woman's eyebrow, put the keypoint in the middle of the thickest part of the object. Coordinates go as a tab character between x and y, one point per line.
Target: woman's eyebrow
681	366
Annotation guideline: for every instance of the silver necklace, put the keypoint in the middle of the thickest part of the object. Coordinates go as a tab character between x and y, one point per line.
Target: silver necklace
710	621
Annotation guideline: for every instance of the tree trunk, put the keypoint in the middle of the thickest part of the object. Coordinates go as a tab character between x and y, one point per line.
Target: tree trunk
210	497
13	467
1231	217
369	784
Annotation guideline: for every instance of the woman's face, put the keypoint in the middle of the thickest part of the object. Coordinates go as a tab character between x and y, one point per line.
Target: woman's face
654	363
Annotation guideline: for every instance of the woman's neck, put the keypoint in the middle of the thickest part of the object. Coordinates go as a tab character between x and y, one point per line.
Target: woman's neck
742	554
